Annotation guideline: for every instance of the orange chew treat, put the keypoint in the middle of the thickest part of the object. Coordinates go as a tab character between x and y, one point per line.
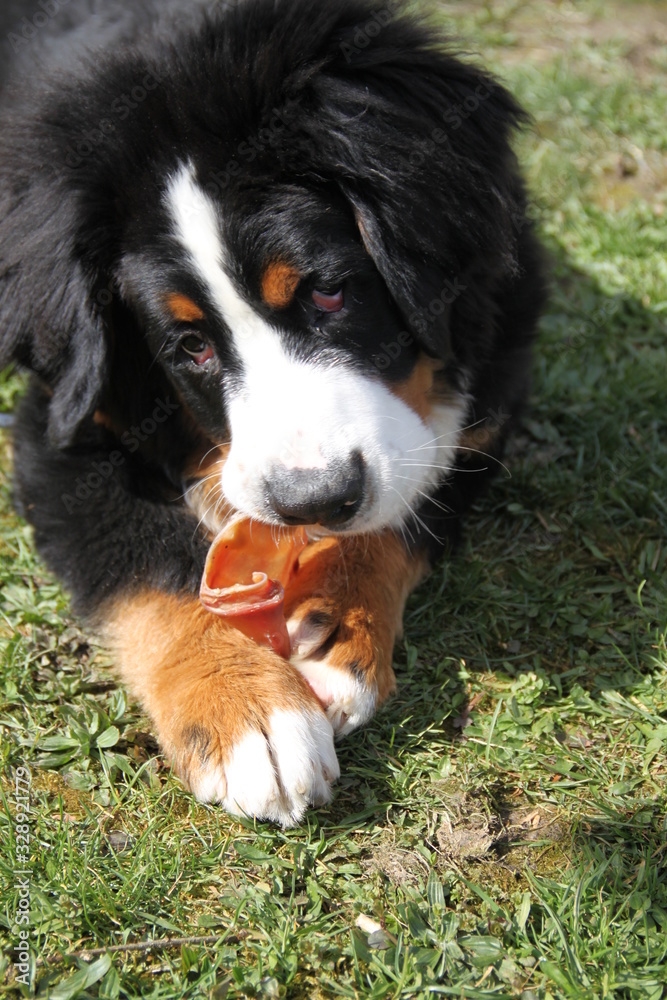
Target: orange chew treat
246	572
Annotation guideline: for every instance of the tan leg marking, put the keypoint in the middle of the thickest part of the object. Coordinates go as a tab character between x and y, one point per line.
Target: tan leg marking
241	726
344	611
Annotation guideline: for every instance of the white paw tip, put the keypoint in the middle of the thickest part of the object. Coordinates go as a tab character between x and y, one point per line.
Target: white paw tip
274	777
348	702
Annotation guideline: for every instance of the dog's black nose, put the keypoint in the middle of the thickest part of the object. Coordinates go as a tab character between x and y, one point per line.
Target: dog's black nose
329	496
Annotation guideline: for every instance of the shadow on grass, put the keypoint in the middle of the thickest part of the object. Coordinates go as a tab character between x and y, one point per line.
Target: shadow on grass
555	604
565	561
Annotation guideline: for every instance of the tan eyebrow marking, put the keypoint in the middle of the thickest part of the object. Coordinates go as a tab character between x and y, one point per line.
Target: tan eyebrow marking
183	309
279	283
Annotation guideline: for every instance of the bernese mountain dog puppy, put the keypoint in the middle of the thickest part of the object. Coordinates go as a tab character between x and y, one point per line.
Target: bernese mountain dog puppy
269	258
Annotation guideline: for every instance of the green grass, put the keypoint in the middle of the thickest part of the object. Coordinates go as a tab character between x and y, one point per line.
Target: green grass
504	817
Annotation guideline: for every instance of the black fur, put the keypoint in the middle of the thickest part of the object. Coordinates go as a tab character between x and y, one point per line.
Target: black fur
357	143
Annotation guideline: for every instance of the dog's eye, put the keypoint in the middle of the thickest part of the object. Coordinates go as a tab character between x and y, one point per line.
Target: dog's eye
198	349
329	302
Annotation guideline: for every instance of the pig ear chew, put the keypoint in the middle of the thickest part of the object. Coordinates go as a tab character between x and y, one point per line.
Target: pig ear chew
246	572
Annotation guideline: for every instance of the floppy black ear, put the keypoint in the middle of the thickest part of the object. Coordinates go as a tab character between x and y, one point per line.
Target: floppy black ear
419	143
424	288
81	373
48	318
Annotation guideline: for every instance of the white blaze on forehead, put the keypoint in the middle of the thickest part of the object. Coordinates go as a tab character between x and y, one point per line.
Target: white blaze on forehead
309	415
198	229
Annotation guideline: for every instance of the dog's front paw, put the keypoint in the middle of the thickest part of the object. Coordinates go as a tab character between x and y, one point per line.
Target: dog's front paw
239	724
336	651
344	609
273	771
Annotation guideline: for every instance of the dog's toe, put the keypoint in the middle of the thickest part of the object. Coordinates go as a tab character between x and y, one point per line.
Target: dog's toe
274	773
